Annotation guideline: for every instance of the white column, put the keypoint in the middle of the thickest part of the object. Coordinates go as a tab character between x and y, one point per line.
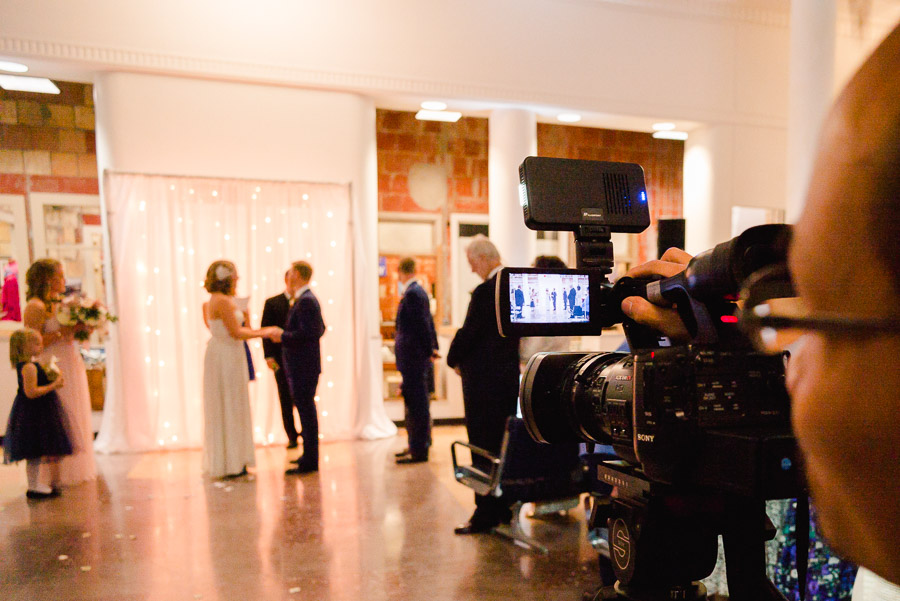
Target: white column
708	187
512	135
811	86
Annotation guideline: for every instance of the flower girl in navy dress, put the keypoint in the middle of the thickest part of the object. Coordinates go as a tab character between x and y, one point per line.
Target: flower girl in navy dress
35	431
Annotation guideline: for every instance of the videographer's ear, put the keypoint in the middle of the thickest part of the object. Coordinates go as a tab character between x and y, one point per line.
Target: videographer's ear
664	320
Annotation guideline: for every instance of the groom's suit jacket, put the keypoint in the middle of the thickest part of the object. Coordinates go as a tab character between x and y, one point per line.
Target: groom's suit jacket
300	339
416	339
275	313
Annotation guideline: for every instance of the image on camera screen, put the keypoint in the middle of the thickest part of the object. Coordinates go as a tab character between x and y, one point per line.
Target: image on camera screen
549	298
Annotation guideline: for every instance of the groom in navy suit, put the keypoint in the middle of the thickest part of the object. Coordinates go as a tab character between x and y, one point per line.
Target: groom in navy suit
302	362
415	345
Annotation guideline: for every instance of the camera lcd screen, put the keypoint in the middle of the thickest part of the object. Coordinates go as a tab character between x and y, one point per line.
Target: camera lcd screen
549	298
549	302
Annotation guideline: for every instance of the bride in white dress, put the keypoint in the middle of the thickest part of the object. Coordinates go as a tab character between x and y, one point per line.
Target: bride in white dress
228	437
46	284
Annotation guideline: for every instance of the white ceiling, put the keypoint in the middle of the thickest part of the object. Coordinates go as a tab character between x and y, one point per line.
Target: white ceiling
851	11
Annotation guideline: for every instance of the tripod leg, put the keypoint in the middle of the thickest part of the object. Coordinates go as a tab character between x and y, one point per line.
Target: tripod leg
744	539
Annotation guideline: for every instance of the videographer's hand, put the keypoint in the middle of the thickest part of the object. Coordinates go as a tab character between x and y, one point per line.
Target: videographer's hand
663	319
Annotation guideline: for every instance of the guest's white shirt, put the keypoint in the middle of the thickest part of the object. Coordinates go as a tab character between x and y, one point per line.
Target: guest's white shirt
868	586
404	287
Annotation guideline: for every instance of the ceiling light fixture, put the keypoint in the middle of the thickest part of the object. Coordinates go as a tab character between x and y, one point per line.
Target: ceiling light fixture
670	135
434	105
568	117
448	116
18	83
664	126
13	67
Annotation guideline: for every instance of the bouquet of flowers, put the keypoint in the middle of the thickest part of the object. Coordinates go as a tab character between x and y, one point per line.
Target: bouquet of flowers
84	314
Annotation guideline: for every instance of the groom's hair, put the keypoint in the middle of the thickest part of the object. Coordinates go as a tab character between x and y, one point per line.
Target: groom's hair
303	268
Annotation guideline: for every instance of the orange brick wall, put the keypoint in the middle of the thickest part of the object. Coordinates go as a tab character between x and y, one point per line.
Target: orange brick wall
461	148
47	141
662	160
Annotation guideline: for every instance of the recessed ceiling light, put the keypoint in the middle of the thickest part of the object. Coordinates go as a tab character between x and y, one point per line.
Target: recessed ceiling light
568	118
28	84
665	126
434	105
13	67
448	116
670	135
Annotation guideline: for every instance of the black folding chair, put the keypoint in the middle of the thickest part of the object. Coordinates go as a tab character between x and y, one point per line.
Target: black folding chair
551	476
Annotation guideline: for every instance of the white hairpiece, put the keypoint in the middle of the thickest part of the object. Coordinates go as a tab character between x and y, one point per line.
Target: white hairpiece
223	272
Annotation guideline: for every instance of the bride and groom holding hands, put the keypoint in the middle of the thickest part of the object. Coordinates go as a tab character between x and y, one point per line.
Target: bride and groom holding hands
228	440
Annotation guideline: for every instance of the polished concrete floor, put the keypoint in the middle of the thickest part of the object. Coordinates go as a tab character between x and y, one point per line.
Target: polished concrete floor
153	528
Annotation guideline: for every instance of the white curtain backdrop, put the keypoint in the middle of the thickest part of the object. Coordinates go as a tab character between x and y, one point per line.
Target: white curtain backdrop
164	233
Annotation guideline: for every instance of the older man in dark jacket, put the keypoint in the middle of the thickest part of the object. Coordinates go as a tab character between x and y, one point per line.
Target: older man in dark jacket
489	366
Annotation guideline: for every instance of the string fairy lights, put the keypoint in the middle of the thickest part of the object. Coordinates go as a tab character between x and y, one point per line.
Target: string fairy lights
179	236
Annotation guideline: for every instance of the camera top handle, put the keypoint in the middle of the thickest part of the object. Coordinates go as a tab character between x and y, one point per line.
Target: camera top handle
704	292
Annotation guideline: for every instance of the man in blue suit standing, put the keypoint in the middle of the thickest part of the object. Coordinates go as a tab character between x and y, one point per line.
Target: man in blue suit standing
520	301
415	346
302	362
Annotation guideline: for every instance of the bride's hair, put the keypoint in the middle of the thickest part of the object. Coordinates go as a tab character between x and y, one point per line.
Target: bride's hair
220	277
38	277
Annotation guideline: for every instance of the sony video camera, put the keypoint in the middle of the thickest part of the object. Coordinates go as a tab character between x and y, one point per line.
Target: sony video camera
706	420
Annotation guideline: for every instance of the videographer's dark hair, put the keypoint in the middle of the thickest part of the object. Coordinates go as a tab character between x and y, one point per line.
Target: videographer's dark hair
303	268
37	279
549	262
407	266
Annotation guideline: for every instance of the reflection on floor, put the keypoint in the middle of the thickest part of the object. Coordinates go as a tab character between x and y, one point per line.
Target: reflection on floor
152	527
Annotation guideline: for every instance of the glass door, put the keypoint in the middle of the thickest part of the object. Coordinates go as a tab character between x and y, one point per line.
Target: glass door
67	228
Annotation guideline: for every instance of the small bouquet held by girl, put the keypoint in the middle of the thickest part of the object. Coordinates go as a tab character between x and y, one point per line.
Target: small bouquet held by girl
85	315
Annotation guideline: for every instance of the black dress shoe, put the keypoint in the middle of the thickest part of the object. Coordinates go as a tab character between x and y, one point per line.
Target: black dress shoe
299	460
292	444
302	469
472	527
33	494
411	459
243	472
402	453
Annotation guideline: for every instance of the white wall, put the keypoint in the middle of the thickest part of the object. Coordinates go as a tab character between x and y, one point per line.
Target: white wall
727	166
678	59
179	126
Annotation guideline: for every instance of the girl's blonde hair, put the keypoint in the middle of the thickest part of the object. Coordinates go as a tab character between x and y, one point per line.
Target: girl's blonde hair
220	277
18	340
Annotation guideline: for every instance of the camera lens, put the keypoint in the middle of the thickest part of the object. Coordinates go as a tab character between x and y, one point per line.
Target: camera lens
577	397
